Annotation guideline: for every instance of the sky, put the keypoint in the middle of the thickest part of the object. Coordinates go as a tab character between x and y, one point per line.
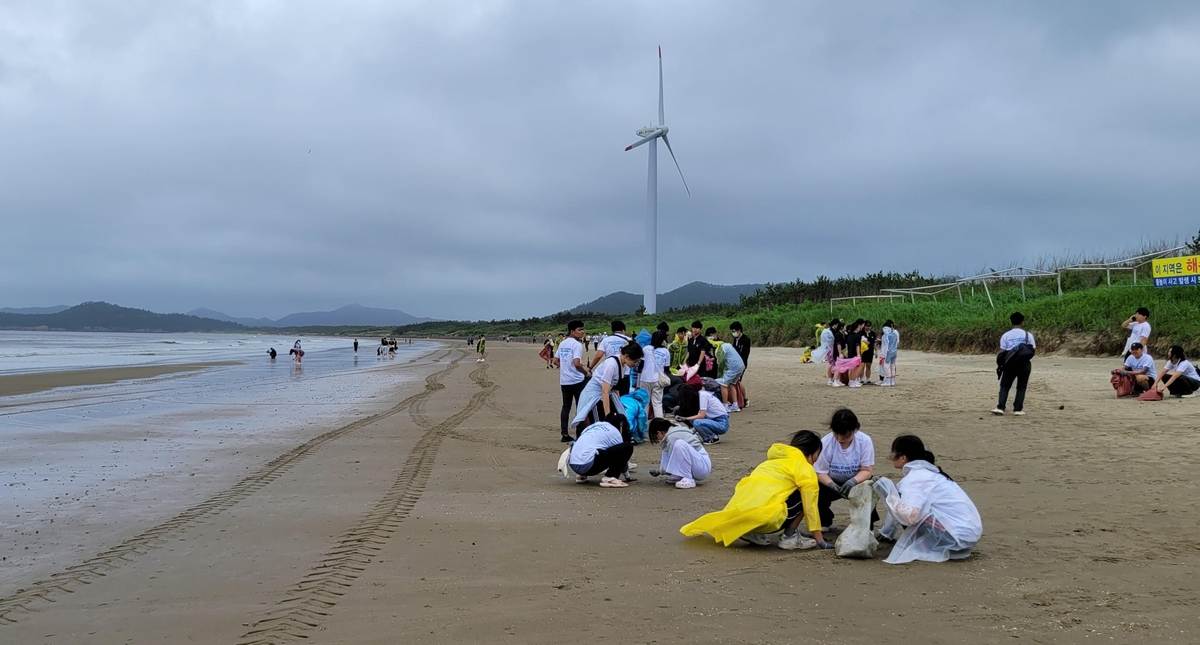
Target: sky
462	159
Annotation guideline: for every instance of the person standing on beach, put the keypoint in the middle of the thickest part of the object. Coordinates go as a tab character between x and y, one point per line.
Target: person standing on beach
741	342
481	348
1012	366
1139	330
868	355
889	344
611	345
572	375
678	348
355	345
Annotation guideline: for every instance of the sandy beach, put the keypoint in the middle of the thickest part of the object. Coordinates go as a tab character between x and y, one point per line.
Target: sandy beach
11	384
439	518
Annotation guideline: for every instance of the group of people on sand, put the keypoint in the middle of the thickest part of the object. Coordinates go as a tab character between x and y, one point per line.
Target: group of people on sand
928	515
680	392
849	350
1138	376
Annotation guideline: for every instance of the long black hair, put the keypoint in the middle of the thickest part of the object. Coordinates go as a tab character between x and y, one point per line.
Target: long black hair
1176	353
912	448
620	422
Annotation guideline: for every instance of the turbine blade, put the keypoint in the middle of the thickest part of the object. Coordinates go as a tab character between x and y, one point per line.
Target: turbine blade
668	142
648	139
662	119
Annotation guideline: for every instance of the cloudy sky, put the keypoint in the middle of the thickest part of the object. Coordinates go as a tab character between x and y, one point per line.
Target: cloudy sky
467	157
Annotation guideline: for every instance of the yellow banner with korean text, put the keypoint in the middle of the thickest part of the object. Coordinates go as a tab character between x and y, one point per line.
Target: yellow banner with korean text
1177	272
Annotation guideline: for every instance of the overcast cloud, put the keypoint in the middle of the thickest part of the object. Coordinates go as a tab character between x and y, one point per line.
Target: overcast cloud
467	157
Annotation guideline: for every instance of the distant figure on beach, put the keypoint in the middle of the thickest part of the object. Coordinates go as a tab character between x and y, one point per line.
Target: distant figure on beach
481	349
889	344
271	352
355	345
741	343
296	352
1014	363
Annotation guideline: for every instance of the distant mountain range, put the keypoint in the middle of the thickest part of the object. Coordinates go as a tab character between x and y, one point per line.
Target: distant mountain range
102	316
34	310
695	293
350	315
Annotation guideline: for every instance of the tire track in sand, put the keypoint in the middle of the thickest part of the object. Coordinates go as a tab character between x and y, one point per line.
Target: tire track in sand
97	566
309	602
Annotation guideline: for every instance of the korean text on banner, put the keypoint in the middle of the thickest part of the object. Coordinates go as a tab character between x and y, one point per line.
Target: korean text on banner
1177	272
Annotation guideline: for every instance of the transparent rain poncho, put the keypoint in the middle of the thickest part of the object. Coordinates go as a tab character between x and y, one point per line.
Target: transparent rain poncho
939	521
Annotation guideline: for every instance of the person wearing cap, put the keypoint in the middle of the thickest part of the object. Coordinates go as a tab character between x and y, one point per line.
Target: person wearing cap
1140	365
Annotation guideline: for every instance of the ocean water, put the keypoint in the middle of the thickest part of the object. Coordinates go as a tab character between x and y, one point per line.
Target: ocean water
31	351
109	458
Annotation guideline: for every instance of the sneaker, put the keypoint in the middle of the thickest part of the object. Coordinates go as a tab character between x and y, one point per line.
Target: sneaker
631	466
566	439
855	384
733	407
612	482
712	441
757	539
686	482
1188	396
796	542
580	479
884	538
671	479
998	412
830	383
1019	413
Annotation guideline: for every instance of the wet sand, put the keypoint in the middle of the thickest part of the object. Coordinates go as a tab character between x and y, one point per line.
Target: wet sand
11	384
442	520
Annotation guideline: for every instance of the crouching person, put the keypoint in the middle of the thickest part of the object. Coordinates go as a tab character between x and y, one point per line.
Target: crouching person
604	447
684	459
712	420
773	497
1179	376
938	519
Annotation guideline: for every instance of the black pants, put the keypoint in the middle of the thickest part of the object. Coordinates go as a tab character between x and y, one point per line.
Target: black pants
1021	374
570	393
1182	385
612	461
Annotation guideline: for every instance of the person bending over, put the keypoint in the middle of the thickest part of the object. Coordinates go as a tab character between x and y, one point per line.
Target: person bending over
602	394
684	459
847	459
712	420
1179	376
773	497
938	519
604	447
1139	365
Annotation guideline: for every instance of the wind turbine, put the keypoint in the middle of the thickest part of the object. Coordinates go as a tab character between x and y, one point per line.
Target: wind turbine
651	135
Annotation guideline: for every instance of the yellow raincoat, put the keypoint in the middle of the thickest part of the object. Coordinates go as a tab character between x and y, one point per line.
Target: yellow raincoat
759	503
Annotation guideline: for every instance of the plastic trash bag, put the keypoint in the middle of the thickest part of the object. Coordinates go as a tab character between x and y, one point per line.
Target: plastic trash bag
564	465
818	354
938	519
642	338
857	541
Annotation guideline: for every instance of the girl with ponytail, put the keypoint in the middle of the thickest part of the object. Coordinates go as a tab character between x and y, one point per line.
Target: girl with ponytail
938	520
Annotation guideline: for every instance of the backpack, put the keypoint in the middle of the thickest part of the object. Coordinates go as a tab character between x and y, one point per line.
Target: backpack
1015	357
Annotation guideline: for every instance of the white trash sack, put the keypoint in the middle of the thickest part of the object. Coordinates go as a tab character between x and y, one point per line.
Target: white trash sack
857	541
564	465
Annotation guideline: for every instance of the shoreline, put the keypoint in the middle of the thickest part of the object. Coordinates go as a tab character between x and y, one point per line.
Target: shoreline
32	382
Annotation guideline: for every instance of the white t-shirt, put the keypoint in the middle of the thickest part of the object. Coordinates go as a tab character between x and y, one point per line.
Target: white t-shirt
568	351
650	368
611	345
1184	368
711	406
597	437
1136	331
1014	337
1146	361
841	464
662	358
608	371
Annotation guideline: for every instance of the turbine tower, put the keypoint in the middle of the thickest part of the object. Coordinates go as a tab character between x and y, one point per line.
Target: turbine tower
651	135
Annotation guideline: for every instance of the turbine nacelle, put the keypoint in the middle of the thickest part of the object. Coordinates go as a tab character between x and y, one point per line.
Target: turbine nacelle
646	132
